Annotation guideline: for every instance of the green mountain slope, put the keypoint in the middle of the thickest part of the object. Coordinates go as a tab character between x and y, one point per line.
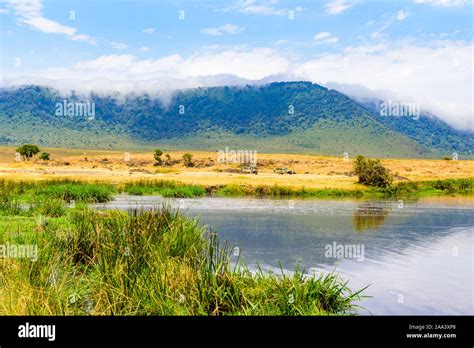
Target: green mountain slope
278	117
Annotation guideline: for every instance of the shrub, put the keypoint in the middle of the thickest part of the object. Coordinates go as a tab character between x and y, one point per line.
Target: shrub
372	172
188	160
44	156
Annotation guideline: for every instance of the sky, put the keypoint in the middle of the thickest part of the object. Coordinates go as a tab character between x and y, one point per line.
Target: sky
408	50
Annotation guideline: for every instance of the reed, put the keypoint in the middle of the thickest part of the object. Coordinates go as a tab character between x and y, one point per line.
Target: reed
153	263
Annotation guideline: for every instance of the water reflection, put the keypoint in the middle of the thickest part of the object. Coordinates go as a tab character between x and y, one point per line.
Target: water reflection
369	217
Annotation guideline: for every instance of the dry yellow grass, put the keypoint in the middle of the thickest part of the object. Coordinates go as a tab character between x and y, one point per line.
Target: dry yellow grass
312	171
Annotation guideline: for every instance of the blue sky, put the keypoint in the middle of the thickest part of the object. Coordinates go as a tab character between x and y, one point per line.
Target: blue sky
122	22
420	49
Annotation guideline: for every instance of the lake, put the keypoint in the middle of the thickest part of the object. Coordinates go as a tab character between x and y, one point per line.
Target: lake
417	256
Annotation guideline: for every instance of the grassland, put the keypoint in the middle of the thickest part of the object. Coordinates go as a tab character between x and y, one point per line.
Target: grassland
316	176
144	263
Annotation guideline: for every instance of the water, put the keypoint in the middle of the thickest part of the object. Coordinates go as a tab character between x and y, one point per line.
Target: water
418	257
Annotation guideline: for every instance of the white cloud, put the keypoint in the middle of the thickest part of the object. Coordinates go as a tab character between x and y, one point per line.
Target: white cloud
119	45
124	74
334	7
149	30
265	7
223	29
29	12
144	49
325	37
434	76
446	3
48	26
3	10
281	42
252	64
321	36
84	38
364	49
445	35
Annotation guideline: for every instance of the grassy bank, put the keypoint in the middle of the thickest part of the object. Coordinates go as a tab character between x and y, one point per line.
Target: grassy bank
142	263
48	195
431	188
412	188
168	188
51	197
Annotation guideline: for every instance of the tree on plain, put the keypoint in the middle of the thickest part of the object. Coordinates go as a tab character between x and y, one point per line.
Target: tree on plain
27	151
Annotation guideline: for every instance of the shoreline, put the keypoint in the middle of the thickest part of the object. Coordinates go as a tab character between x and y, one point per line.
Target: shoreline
176	189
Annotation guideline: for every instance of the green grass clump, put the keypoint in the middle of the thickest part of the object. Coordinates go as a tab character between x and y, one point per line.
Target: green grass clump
48	207
184	192
154	184
165	188
76	191
48	197
136	190
9	203
453	185
151	263
231	190
431	187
